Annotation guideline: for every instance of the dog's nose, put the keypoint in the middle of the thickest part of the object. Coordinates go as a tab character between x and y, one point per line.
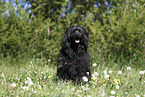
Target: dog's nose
77	33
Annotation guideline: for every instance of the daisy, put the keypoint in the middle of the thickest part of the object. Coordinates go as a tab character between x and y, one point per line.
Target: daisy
110	71
141	72
112	92
13	85
128	68
85	79
117	86
119	72
94	65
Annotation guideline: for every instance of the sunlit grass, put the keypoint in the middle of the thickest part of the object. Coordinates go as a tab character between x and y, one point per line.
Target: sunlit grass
37	78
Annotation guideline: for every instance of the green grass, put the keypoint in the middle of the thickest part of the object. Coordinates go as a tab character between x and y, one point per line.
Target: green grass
37	78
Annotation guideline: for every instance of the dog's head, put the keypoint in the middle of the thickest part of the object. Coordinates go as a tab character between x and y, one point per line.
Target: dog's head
76	35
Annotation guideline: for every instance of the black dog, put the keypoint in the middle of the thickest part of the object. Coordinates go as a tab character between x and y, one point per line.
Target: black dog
74	62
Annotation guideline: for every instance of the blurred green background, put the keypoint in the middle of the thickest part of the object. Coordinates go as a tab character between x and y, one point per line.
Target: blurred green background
34	29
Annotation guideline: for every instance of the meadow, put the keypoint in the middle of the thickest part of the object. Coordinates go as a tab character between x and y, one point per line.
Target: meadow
30	42
38	78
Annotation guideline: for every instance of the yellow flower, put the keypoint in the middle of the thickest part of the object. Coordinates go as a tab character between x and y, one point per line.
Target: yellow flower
117	80
49	76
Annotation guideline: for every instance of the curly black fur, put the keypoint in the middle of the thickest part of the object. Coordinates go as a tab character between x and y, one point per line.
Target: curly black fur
74	62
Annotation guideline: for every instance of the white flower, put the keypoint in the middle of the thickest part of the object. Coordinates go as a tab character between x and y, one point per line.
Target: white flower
85	79
39	87
30	84
141	72
95	73
94	64
119	72
116	82
13	85
25	88
137	95
28	80
107	76
105	72
117	86
128	68
35	91
112	92
103	94
2	75
110	71
94	77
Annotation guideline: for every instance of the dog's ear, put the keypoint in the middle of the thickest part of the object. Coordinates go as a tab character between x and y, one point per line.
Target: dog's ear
66	37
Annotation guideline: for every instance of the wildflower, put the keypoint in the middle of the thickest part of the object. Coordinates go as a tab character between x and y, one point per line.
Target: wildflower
103	94
2	75
105	72
128	68
112	92
85	79
88	73
39	87
117	80
25	88
29	82
49	60
95	73
141	72
49	76
137	95
94	65
110	71
119	72
31	62
117	86
94	78
13	85
107	76
35	91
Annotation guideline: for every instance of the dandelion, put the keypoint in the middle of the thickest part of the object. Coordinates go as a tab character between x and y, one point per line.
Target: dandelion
119	72
13	85
117	86
128	68
49	76
117	80
85	79
112	92
141	72
94	65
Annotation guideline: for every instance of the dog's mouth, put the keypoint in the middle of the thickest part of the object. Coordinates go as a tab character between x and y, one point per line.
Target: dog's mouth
77	41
